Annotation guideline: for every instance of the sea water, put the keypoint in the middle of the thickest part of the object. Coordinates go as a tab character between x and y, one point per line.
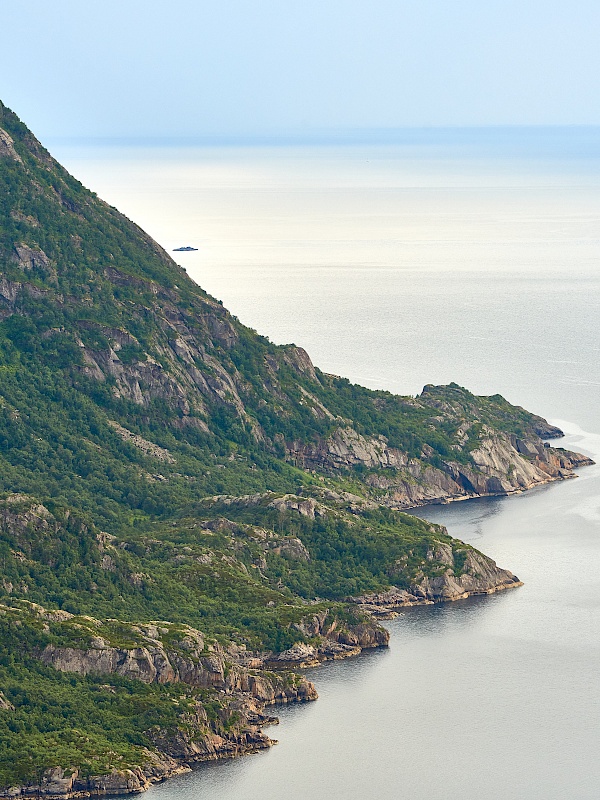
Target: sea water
470	258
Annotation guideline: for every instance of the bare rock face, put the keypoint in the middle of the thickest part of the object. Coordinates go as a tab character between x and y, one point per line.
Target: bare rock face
364	635
304	506
57	783
479	575
335	644
185	367
184	744
299	655
347	448
335	640
167	653
29	258
9	291
292	548
137	663
209	666
192	662
238	698
501	464
7	147
189	659
299	359
148	448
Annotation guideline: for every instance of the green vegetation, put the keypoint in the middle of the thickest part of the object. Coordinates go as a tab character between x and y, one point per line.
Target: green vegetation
244	576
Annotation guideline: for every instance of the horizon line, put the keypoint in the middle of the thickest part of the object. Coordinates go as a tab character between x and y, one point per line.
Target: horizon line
383	135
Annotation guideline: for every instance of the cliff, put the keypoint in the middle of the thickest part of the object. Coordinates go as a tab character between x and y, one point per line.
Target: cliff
217	713
500	463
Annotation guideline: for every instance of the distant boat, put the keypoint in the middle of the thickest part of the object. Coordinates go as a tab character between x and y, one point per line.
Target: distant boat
184	249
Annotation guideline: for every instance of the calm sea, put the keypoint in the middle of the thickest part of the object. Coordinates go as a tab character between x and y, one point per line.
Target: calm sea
469	258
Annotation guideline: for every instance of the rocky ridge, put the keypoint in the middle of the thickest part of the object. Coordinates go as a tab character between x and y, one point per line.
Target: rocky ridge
243	682
137	330
165	654
501	463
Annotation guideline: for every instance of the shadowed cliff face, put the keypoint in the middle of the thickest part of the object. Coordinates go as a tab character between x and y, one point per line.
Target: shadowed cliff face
161	461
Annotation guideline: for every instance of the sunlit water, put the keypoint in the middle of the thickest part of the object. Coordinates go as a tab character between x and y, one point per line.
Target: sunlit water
399	266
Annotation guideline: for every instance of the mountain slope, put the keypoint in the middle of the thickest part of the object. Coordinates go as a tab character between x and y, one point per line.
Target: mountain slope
161	461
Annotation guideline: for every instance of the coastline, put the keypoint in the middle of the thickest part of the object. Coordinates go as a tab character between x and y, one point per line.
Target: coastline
540	368
384	605
59	784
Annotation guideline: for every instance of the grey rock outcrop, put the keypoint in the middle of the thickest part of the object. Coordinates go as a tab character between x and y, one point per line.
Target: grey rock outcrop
192	661
195	662
29	258
474	574
58	783
501	464
291	548
148	448
165	653
334	641
304	506
7	147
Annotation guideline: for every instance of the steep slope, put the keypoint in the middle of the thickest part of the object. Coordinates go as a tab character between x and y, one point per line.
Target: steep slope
161	461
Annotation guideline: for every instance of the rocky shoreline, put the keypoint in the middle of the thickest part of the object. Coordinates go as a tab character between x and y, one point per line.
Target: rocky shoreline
385	605
480	576
247	682
242	678
242	683
163	461
501	464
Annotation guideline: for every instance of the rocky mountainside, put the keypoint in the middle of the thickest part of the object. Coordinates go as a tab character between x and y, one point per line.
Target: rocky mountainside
86	296
188	511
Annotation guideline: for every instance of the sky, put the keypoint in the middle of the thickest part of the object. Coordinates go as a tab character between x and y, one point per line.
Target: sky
244	68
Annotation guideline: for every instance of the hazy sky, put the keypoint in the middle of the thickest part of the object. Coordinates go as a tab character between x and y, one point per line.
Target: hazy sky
235	67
